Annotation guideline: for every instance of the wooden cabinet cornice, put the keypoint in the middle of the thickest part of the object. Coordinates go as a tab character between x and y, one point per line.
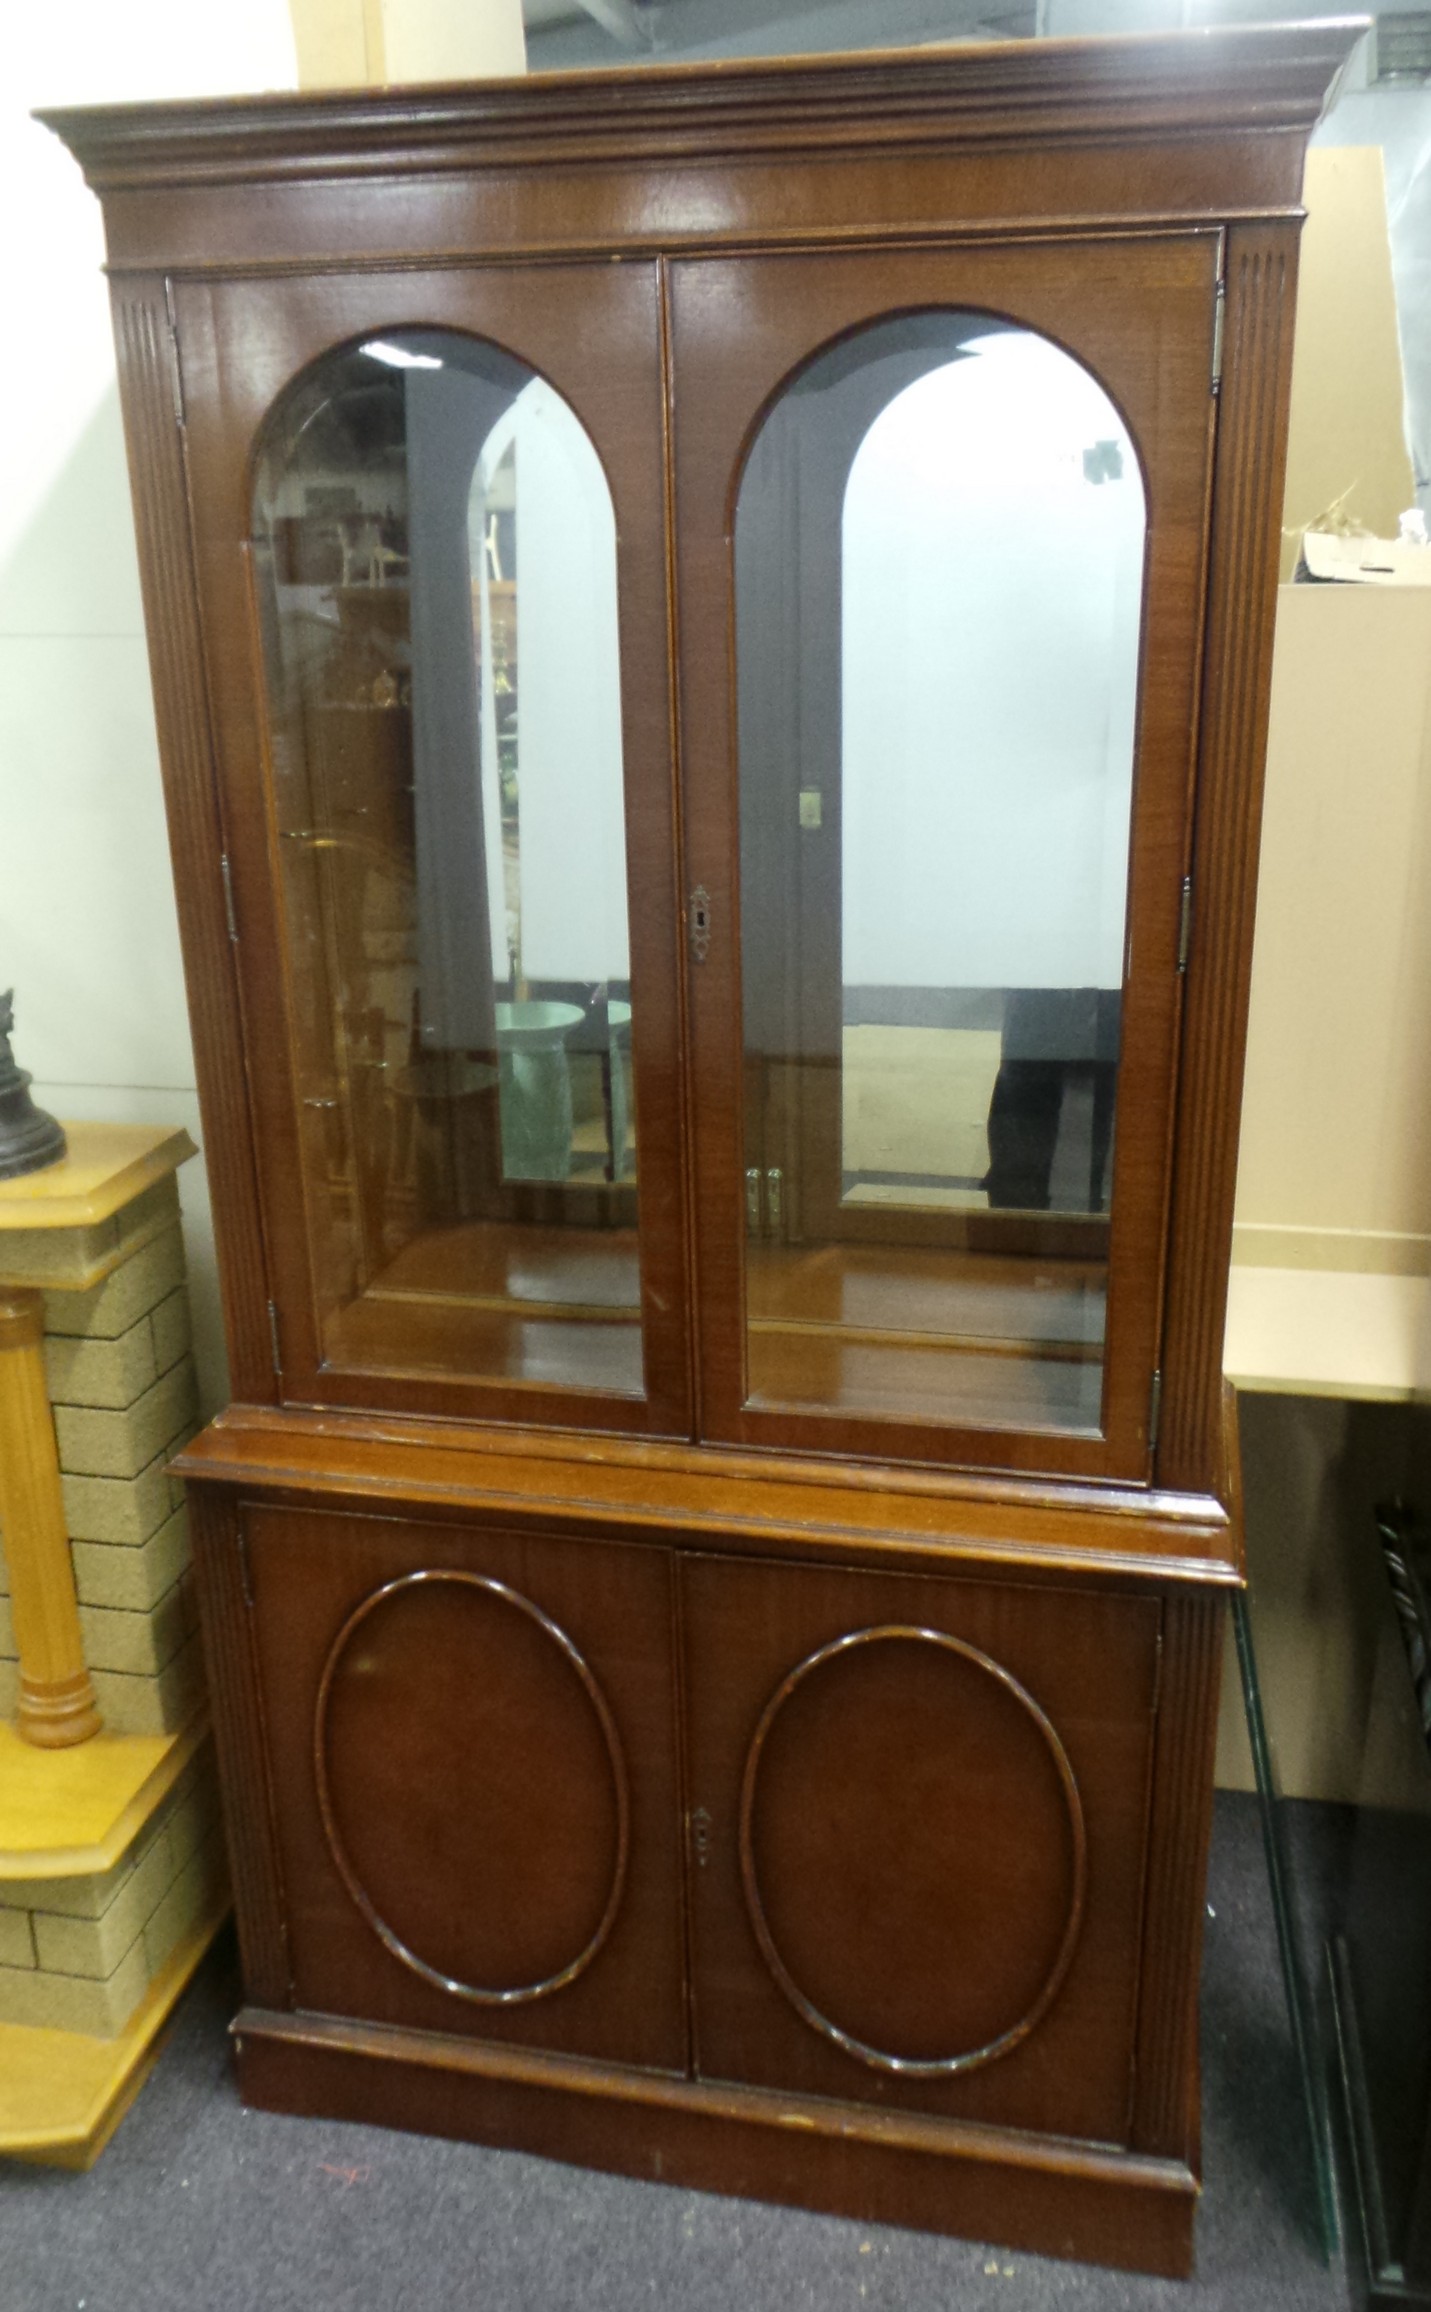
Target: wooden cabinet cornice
1251	80
710	633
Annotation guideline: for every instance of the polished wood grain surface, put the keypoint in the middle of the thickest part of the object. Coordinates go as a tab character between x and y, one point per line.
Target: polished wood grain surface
856	1790
221	1578
880	1513
1258	80
682	1773
1167	2109
1011	1343
149	394
541	1305
1251	448
1022	1305
551	1829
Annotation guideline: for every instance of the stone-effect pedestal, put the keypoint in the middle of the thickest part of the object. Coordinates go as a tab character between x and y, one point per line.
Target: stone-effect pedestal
112	1876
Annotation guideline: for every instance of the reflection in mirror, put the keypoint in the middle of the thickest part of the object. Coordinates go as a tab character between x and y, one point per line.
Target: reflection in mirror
939	562
435	560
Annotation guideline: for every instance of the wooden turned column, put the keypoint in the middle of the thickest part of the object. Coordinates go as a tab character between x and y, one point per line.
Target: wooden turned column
56	1705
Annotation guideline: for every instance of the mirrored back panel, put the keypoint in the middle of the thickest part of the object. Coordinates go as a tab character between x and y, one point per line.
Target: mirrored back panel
939	550
435	563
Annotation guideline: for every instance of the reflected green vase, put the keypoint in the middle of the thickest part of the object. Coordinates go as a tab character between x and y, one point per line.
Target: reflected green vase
535	1088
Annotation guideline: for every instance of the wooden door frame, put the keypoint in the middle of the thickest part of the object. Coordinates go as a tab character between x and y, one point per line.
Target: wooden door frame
594	332
1139	312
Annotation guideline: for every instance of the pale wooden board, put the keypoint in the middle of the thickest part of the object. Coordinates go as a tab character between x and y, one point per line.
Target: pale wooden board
107	1166
67	1813
1326	1333
62	2095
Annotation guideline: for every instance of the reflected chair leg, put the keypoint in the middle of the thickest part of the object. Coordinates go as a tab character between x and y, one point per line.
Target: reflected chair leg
56	1706
1105	1087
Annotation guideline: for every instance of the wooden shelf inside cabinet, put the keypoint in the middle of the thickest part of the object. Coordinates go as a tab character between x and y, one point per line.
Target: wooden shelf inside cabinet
728	1294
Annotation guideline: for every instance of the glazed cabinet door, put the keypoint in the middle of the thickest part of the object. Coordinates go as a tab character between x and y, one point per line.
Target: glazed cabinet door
918	1840
429	522
941	521
470	1751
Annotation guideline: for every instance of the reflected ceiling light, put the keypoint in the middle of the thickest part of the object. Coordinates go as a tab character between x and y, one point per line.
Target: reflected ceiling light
398	356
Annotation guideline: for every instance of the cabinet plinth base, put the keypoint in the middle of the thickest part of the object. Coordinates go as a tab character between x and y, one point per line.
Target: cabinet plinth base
1034	2193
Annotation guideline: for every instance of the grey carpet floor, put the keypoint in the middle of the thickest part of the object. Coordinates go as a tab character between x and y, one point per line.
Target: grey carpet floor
200	2206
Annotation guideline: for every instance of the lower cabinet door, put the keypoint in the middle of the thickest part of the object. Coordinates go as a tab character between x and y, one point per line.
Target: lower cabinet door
917	1839
471	1749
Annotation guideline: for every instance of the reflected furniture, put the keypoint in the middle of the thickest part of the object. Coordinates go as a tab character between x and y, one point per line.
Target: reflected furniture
715	1639
1337	1568
1329	1632
1377	1948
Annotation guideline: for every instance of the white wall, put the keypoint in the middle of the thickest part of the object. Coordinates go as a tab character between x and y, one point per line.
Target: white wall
991	606
571	811
1399	121
87	922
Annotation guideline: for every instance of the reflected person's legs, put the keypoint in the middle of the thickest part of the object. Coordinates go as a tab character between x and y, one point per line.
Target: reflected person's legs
1023	1133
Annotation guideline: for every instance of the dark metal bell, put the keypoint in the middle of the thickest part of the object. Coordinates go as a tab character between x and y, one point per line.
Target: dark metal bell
29	1139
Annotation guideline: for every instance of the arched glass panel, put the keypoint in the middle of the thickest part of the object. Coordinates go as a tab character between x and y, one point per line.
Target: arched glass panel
435	560
939	562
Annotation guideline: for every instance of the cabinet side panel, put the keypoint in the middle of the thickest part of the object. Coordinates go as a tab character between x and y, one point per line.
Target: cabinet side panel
239	1736
1165	2104
148	382
1251	451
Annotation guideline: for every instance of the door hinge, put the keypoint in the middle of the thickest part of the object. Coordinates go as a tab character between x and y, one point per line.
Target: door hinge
1155	1409
1185	917
1219	310
273	1339
752	1200
764	1200
228	896
245	1582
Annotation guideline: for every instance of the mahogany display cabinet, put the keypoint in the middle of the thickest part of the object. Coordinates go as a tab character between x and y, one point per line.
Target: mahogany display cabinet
710	631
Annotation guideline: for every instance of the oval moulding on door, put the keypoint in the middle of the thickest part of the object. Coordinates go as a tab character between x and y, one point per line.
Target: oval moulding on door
472	1786
912	1850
